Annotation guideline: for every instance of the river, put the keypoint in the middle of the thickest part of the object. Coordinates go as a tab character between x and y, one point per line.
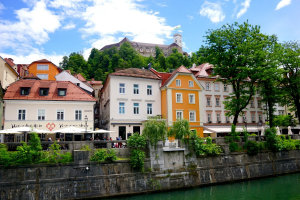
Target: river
286	187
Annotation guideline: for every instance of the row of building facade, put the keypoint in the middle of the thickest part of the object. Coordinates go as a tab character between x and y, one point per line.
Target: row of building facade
49	98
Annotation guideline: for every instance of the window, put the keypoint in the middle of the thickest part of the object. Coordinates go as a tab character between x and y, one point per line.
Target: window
217	101
281	112
259	103
208	103
191	84
217	87
149	108
192	116
253	117
41	114
121	108
25	91
62	92
60	114
178	98
136	108
178	83
225	88
192	98
227	119
42	67
44	91
179	115
207	86
135	89
260	118
149	89
78	114
209	117
252	103
43	76
218	118
22	114
122	88
78	84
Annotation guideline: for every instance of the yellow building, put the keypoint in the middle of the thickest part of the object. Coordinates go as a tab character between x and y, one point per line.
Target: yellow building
180	98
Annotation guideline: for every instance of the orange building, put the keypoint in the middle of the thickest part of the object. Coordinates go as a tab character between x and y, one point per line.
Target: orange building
44	69
180	98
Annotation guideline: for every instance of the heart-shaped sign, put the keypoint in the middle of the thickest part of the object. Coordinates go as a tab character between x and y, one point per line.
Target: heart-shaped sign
50	126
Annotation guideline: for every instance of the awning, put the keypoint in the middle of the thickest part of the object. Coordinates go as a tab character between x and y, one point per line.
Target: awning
228	129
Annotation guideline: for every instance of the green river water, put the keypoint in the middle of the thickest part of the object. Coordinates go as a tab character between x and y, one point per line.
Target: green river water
286	187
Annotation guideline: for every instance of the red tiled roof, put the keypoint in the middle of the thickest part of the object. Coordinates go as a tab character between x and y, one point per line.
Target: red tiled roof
203	69
74	93
80	77
136	72
9	61
92	82
181	69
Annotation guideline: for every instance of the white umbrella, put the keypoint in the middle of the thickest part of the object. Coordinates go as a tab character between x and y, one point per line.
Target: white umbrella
41	131
102	131
9	131
71	129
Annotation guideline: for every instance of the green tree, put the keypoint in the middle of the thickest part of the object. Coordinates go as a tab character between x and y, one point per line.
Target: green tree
180	129
155	130
290	62
237	52
63	64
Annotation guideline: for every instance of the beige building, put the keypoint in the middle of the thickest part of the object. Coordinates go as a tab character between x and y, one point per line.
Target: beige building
8	74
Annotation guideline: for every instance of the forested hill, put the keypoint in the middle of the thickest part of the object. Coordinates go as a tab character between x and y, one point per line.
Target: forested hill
101	63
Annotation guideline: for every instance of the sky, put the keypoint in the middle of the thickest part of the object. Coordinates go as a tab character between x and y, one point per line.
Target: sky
50	29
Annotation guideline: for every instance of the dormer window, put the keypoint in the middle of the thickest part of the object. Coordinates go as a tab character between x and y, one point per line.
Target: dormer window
25	91
42	67
44	91
78	84
62	92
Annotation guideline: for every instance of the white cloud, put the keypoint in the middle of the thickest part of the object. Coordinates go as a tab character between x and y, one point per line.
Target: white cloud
33	56
69	26
245	6
2	7
283	3
33	26
112	17
213	11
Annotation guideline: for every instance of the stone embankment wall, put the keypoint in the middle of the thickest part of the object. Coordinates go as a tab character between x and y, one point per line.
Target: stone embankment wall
78	181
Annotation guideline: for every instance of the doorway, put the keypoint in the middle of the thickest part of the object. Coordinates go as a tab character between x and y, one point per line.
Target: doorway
137	129
122	132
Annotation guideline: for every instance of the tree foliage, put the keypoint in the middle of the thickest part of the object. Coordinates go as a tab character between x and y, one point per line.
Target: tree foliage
180	129
238	52
155	130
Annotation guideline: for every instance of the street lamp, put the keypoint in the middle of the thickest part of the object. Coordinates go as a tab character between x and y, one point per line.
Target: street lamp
86	120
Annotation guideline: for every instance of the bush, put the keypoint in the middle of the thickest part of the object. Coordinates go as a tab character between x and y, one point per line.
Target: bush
54	155
233	146
137	158
100	155
180	129
5	157
201	149
136	141
85	148
252	147
155	130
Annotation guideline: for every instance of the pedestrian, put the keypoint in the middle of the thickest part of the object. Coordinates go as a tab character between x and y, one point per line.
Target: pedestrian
120	143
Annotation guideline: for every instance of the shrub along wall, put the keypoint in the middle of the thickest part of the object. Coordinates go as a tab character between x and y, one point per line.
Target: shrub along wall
109	179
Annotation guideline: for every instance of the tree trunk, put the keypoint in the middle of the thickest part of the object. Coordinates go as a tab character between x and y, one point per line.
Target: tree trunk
235	119
297	105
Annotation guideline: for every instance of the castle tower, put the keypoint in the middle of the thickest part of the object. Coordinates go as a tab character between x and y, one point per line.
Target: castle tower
178	39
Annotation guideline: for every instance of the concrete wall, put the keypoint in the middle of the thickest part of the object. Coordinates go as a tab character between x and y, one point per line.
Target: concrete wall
100	180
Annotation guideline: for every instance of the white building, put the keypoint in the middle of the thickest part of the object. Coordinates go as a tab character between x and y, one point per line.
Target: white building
66	76
47	105
213	110
128	98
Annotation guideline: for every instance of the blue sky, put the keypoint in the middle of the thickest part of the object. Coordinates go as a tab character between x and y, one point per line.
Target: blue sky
37	29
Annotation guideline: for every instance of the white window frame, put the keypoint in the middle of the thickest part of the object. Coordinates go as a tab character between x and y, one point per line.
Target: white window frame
218	102
227	119
22	114
218	116
179	114
191	83
149	109
207	86
217	87
42	66
122	108
225	87
122	88
149	89
253	117
208	101
209	118
181	99
41	114
193	99
136	89
60	115
78	115
136	108
43	76
194	117
178	82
